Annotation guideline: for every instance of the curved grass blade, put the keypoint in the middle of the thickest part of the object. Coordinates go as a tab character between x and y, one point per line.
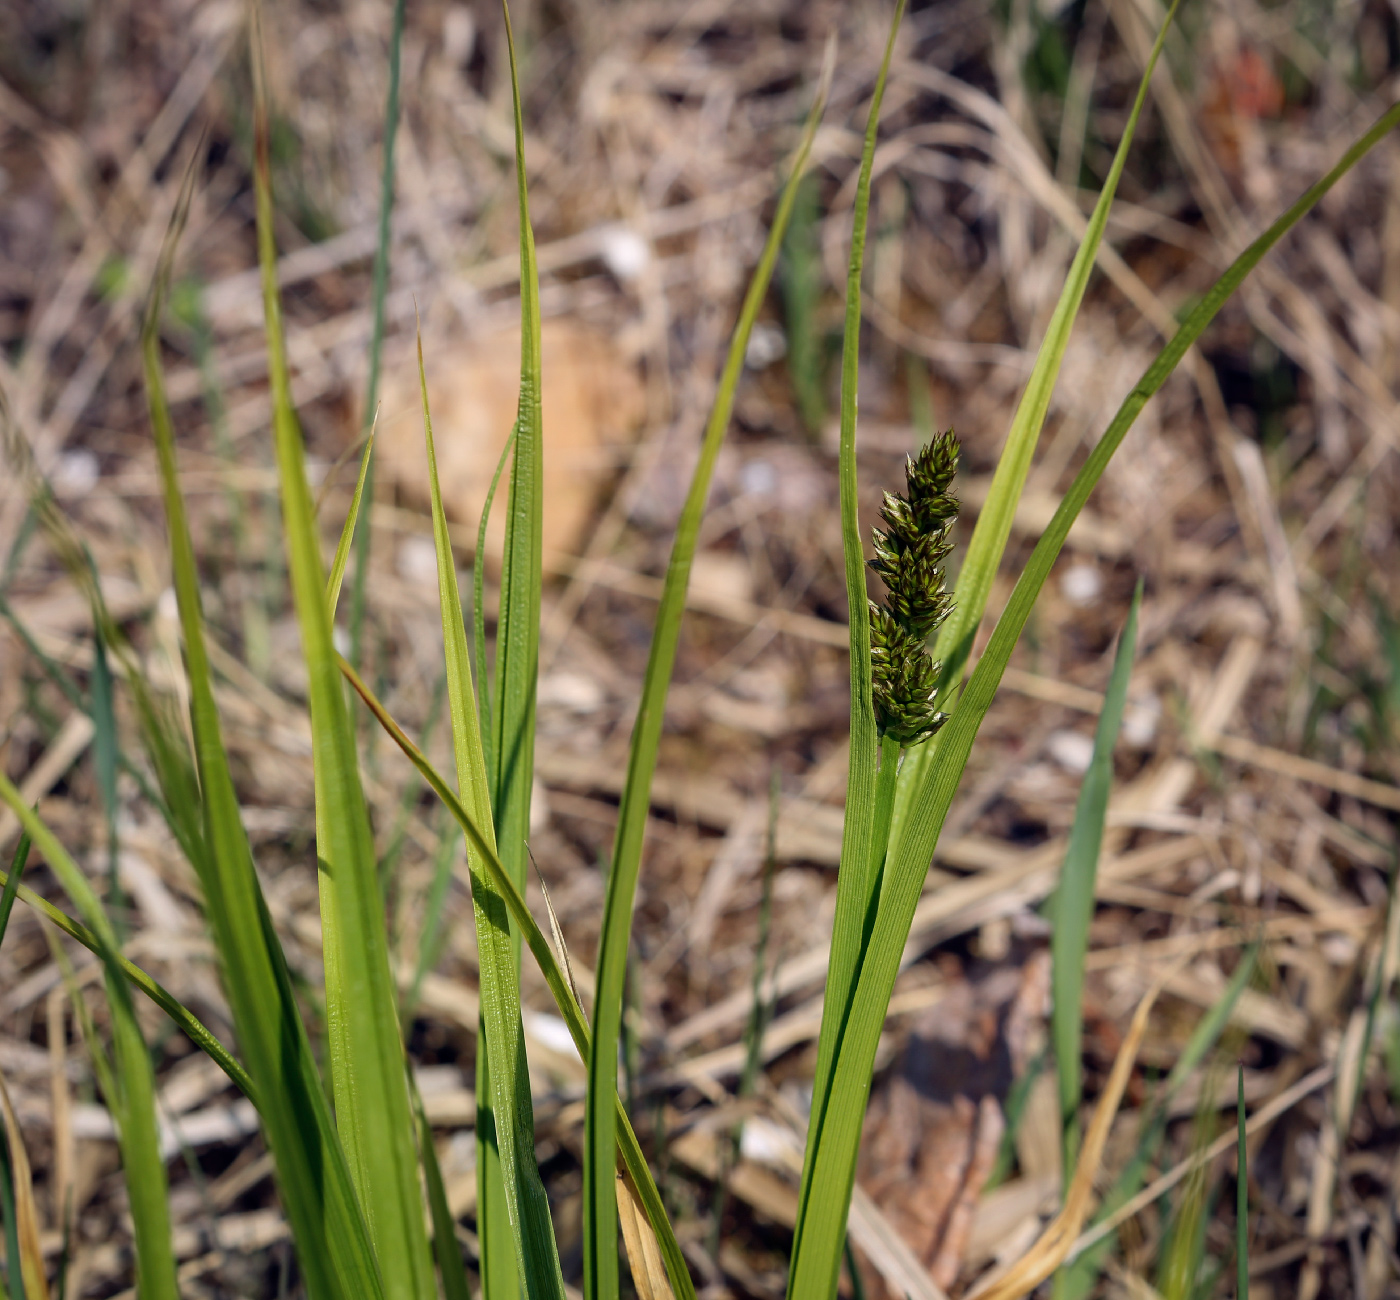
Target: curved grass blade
131	1096
7	896
600	1225
504	1111
938	781
347	534
1072	906
858	876
185	1019
366	1052
984	550
333	1245
554	975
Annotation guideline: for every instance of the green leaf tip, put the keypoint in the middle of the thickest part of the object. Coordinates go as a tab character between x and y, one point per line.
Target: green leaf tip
910	555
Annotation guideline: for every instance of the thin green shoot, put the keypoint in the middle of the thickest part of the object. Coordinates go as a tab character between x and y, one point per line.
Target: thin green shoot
600	1254
12	878
558	981
1072	907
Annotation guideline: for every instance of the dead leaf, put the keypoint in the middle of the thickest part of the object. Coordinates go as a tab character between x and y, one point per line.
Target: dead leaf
592	403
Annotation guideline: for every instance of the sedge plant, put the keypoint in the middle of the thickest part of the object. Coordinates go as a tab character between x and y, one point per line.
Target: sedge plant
350	1142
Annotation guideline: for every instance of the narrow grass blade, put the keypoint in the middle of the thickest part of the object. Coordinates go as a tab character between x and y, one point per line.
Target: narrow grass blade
910	855
451	1271
366	1050
333	1245
503	1097
600	1261
11	889
1072	906
984	550
131	1096
104	762
1241	1197
857	880
556	978
13	1267
512	745
483	679
184	1018
347	534
378	293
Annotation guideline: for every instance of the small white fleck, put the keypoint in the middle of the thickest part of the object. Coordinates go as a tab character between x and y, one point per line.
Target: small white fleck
417	560
167	606
767	344
341	639
1081	584
758	478
571	691
550	1032
77	472
1140	720
1072	750
625	253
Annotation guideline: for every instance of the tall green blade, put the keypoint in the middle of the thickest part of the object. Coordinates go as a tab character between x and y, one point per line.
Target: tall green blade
366	1052
333	1244
526	1235
560	985
988	542
830	1168
856	879
600	1259
131	1095
512	744
1072	905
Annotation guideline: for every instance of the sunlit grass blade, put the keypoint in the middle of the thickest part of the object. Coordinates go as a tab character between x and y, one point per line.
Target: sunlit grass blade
483	678
379	292
131	1094
104	762
347	534
366	1052
504	1110
12	877
982	556
1072	905
556	978
333	1245
183	1017
938	781
857	878
512	743
600	1266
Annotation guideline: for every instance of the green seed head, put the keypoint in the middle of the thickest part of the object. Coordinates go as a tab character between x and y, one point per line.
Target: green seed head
909	556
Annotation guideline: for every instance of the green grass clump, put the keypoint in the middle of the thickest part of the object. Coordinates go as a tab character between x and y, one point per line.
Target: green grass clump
352	1175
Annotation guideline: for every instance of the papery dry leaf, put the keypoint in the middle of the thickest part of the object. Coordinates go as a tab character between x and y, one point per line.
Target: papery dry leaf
643	1253
31	1255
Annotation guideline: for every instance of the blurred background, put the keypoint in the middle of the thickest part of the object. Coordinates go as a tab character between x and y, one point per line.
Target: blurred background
1257	497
